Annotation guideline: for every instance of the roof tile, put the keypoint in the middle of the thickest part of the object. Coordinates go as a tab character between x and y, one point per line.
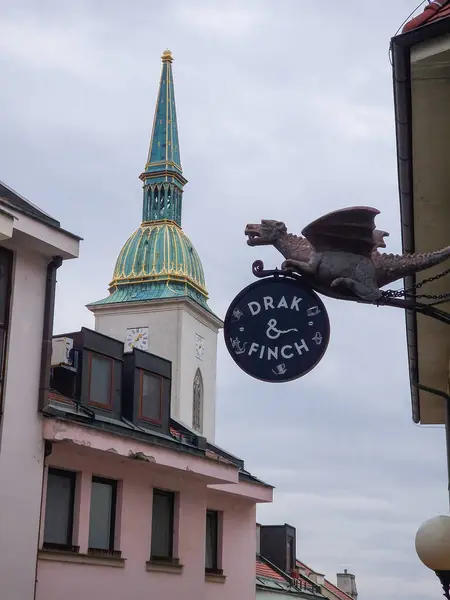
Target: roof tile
264	570
328	585
434	11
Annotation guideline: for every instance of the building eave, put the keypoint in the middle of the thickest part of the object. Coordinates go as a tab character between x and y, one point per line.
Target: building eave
403	129
401	46
155	450
13	200
207	316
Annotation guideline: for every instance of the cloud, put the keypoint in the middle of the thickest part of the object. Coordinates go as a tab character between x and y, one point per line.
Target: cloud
226	22
285	111
42	46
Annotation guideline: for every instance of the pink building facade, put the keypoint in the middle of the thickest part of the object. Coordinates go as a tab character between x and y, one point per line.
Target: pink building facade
140	472
32	246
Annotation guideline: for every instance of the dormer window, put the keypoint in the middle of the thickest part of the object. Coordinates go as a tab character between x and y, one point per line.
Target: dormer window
94	376
146	390
101	377
151	399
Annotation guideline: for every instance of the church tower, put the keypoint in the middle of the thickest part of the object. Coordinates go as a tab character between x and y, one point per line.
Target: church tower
157	297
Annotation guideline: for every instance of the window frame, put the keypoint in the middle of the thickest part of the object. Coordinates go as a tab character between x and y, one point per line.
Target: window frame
113	520
4	326
214	570
72	477
111	382
142	417
156	557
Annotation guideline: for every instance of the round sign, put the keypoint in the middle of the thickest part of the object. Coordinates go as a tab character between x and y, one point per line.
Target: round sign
277	329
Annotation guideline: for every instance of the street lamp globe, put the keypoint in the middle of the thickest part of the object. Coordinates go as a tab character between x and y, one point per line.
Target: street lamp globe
433	543
433	548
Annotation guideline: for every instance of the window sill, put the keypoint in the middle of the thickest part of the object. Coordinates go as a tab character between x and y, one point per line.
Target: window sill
215	577
163	567
76	557
104	553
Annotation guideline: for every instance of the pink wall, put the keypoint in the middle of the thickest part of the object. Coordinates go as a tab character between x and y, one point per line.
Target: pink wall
72	581
21	444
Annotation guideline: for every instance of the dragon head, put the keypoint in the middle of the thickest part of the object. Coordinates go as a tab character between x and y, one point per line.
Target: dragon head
265	233
379	236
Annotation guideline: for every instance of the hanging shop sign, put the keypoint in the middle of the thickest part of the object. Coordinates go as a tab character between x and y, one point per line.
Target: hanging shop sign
277	329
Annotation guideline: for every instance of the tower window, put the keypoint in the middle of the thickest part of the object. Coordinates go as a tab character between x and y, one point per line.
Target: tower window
197	403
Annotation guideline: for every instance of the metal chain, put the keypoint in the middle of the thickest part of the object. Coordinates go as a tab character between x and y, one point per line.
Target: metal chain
410	292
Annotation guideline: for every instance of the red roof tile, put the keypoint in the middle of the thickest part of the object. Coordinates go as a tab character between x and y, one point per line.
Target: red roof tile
336	591
329	586
263	570
431	13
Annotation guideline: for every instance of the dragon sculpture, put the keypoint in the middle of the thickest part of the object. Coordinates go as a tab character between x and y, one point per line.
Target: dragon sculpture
339	254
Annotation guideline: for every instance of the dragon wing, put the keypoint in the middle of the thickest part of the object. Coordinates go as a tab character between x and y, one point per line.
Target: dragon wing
348	230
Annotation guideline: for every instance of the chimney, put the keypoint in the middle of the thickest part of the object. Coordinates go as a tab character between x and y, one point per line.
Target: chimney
258	539
346	582
318	578
278	545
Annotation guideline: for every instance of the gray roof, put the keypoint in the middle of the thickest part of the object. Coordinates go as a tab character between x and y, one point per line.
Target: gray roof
9	197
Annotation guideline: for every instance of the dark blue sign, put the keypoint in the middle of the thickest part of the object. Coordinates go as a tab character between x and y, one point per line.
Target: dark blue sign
277	329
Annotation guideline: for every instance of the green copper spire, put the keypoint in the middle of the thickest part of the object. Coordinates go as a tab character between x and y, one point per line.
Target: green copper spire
163	177
158	261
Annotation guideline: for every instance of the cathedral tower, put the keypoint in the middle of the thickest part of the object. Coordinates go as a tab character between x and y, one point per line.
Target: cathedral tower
157	297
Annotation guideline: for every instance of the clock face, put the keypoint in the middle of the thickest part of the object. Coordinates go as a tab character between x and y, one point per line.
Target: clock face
199	346
137	337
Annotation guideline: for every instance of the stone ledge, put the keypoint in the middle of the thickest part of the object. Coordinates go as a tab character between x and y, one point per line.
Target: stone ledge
215	578
163	567
85	559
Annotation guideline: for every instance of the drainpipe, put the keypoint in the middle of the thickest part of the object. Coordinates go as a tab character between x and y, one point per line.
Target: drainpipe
44	379
47	333
48	447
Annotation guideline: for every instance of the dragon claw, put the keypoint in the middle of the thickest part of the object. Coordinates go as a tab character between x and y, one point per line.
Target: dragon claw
287	265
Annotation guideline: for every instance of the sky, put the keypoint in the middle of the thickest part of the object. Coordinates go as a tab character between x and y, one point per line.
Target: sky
285	112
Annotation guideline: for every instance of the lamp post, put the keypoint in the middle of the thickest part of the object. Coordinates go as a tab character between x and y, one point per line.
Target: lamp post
433	548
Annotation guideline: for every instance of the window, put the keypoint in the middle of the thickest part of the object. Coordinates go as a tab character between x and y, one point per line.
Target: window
197	402
59	508
162	525
150	406
103	514
212	542
100	380
5	295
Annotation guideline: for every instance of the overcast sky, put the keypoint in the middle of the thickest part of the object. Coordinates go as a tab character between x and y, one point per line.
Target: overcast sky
285	112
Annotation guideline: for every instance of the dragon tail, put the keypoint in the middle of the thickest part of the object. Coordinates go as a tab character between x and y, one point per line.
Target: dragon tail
391	267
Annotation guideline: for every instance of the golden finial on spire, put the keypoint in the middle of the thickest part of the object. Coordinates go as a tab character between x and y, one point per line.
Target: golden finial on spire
167	56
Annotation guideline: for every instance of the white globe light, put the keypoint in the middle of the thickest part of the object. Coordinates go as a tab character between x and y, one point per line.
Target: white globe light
433	543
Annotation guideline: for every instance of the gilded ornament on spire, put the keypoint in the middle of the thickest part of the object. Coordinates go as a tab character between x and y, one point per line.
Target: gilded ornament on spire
167	56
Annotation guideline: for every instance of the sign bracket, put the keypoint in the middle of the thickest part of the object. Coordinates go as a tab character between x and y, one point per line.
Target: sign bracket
386	300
